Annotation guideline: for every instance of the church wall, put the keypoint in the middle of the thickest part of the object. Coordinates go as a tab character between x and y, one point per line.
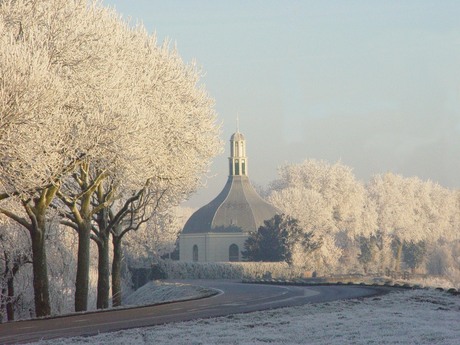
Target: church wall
219	244
186	243
212	247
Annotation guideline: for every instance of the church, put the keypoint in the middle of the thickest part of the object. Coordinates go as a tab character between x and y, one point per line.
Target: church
217	231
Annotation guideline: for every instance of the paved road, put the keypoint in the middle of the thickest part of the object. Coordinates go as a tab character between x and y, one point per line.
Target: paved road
233	297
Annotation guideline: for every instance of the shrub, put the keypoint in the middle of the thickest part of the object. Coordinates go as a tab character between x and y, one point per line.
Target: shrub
229	270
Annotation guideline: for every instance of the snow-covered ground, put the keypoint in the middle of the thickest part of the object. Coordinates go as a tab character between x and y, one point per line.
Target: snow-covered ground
158	292
401	317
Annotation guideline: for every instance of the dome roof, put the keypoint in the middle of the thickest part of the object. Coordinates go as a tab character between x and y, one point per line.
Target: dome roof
238	208
237	136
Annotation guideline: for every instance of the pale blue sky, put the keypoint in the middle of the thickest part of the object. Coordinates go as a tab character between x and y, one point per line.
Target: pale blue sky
375	84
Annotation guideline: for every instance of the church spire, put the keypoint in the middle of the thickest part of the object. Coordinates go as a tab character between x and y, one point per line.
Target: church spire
238	160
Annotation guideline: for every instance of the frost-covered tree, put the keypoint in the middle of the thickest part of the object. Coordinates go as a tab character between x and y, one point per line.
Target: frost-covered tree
342	195
61	247
327	200
444	259
412	210
14	256
34	143
51	75
157	238
80	105
374	252
306	205
414	254
167	145
145	246
117	220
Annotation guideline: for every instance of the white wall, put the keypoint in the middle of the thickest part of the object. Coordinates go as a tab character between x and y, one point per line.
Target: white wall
212	247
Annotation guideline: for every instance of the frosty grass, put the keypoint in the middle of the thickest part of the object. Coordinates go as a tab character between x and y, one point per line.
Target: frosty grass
401	317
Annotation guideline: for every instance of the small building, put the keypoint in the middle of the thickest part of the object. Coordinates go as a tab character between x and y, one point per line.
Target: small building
218	230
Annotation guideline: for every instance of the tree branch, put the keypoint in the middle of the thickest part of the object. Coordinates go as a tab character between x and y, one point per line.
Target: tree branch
16	218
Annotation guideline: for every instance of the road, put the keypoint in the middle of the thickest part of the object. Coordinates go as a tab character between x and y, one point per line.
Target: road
233	297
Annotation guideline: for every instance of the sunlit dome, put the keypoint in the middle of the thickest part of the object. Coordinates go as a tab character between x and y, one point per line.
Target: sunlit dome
238	208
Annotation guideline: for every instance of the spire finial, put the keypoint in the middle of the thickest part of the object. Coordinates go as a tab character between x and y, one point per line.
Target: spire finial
237	122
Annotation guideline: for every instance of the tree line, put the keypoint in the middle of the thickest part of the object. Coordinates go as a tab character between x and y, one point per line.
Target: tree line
387	224
101	126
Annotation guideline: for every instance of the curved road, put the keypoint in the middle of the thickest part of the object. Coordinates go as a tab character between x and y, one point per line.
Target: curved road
233	297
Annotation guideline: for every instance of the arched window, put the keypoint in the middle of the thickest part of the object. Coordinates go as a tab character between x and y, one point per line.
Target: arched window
237	167
233	253
195	253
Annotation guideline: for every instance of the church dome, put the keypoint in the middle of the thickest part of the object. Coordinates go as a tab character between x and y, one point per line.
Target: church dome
238	208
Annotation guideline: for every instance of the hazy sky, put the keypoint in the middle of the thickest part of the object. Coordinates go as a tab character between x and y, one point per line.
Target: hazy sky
375	84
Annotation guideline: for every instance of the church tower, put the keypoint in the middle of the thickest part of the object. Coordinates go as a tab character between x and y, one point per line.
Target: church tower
238	160
218	230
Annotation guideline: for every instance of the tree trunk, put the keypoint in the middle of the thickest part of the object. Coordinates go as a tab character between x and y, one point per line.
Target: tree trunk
36	212
103	280
82	280
12	267
116	272
40	269
399	256
3	302
10	301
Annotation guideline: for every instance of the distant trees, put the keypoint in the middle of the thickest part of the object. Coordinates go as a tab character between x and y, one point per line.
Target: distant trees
410	211
332	188
414	254
157	238
278	240
98	124
14	256
327	200
378	226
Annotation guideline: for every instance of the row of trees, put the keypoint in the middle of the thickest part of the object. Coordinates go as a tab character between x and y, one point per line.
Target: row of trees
374	225
100	127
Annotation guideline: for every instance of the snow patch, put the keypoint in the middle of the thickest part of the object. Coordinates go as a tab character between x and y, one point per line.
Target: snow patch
160	292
